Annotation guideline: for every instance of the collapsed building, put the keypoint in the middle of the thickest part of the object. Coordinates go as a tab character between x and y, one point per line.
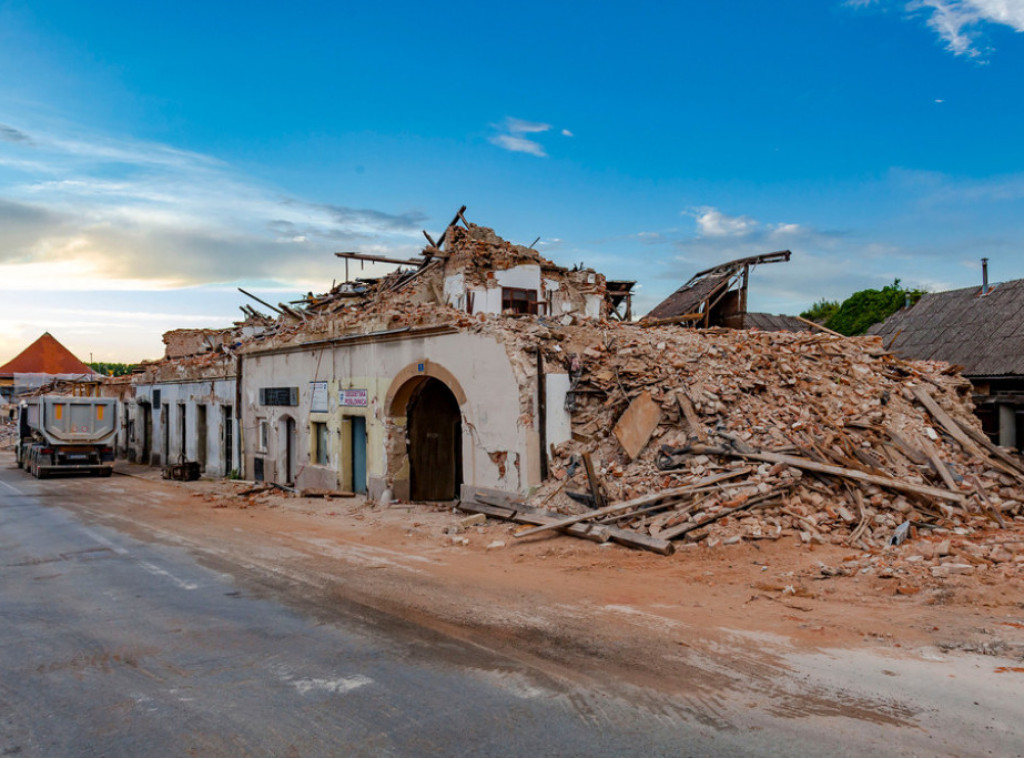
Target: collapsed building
182	408
483	372
406	384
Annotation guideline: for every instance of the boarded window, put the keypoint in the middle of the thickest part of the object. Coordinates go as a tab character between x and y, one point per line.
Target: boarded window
518	300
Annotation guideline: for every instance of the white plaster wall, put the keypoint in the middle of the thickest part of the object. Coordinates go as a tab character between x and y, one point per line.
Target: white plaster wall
488	299
455	290
214	394
524	277
479	363
559	423
593	305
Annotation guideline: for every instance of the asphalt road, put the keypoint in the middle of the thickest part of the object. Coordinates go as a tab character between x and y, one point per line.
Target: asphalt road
112	645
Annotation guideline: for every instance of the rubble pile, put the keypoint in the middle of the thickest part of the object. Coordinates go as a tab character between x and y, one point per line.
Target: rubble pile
723	436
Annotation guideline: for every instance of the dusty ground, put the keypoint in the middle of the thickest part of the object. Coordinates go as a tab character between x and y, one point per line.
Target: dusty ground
556	598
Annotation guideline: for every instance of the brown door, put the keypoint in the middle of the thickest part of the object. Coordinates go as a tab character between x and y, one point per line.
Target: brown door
435	442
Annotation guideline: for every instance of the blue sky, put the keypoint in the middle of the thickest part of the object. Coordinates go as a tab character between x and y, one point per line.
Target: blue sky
154	156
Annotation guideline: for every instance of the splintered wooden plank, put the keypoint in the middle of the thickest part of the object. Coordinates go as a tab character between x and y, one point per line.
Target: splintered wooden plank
696	428
860	476
596	488
637	424
524	514
998	452
946	422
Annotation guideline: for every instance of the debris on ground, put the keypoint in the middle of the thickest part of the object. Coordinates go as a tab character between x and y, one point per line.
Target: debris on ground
721	436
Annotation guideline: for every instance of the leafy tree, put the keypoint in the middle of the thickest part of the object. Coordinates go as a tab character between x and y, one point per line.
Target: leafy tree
821	311
112	369
862	309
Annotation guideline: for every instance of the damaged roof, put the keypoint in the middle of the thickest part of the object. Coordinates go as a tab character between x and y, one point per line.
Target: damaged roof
704	287
982	333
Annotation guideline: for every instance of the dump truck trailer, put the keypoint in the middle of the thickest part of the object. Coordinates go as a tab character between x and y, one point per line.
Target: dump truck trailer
57	433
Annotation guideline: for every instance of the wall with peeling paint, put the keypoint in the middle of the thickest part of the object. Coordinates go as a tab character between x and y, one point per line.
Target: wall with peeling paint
479	364
214	394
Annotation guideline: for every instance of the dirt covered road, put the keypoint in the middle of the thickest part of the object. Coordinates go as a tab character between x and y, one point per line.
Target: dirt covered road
765	635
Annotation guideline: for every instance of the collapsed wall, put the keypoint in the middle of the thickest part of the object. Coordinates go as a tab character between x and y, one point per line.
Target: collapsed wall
762	433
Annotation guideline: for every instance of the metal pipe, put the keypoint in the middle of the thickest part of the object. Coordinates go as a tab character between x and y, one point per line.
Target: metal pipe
984	276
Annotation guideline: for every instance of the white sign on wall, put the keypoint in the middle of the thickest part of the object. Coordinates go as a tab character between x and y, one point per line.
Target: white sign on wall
352	398
318	397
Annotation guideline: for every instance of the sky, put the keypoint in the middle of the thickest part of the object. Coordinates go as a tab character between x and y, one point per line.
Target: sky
154	157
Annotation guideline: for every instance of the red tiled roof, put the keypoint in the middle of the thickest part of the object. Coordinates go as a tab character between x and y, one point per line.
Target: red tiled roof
45	356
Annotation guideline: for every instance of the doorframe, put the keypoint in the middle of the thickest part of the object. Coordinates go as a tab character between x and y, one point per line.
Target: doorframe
396	404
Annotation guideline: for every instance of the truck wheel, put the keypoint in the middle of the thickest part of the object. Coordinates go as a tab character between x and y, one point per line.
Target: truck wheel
107	472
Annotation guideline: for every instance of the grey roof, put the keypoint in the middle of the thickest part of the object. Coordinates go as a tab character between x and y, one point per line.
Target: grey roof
767	322
985	335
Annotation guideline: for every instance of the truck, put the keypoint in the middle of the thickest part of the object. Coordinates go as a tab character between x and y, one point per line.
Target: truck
58	433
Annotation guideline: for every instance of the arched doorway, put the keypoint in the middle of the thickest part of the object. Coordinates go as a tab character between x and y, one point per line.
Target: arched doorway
434	434
286	450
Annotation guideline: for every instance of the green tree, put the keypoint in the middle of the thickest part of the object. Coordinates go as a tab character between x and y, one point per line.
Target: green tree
821	311
862	309
112	369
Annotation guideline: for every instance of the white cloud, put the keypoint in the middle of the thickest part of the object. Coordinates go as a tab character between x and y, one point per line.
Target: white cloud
519	145
519	126
960	23
124	214
712	222
786	230
512	133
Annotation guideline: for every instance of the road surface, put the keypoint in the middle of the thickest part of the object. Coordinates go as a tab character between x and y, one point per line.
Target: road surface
114	645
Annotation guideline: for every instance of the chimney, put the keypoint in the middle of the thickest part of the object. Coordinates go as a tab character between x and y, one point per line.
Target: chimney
984	276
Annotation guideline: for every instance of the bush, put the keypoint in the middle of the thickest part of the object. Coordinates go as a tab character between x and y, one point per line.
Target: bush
821	311
862	309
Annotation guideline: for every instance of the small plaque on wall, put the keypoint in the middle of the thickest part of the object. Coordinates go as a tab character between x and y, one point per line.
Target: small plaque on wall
350	398
318	397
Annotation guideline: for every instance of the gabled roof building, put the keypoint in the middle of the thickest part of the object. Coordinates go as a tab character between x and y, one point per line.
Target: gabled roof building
979	330
44	362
